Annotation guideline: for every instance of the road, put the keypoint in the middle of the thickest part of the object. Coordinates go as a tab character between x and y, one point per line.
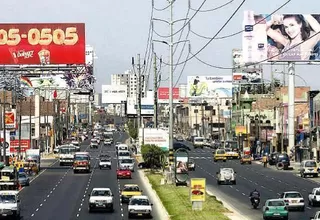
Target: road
58	193
268	181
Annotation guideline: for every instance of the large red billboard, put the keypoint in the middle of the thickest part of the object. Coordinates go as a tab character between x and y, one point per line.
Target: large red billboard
24	145
163	93
40	43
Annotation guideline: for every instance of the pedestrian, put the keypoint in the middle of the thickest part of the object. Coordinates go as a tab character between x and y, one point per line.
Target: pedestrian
265	160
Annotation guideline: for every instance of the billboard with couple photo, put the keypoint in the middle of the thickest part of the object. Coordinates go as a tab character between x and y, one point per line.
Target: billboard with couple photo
280	37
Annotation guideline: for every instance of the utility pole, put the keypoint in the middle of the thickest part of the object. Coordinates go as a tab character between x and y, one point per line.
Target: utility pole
291	107
4	145
171	79
19	128
30	124
155	92
219	122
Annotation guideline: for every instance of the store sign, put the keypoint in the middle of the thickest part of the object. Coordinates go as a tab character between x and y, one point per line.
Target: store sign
42	43
198	190
14	146
163	93
10	120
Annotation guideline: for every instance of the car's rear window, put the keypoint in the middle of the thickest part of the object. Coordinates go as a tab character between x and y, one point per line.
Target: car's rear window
220	152
311	164
292	195
276	203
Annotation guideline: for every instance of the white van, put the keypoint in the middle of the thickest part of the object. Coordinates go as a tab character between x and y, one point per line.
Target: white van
122	147
124	154
198	142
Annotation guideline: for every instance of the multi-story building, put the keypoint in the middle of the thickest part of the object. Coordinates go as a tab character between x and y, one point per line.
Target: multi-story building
130	79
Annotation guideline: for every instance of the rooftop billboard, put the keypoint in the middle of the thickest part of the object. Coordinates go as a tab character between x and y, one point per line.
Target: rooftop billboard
114	94
163	93
42	43
280	37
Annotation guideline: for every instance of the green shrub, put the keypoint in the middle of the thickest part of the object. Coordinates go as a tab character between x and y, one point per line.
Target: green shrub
153	155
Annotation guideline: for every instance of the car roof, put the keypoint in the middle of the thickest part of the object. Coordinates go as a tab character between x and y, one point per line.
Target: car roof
9	192
291	192
130	185
140	197
273	200
226	169
82	153
106	189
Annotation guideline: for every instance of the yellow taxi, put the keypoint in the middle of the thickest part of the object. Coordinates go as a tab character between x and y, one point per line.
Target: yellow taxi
128	191
246	159
220	154
231	154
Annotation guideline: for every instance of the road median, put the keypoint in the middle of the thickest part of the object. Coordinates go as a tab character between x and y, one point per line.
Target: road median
177	203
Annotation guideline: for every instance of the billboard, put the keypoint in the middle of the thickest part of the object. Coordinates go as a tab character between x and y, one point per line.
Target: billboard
237	59
147	106
247	78
198	190
114	94
56	81
8	142
14	145
280	37
209	86
10	120
155	136
89	55
163	93
42	43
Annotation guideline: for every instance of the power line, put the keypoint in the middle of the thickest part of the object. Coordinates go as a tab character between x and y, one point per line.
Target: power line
181	72
256	63
181	33
223	26
214	9
161	9
186	23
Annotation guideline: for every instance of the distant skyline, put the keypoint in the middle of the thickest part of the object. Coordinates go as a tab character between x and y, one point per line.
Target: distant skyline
118	30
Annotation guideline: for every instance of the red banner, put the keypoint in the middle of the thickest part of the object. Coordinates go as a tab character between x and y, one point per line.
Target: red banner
42	43
163	93
14	146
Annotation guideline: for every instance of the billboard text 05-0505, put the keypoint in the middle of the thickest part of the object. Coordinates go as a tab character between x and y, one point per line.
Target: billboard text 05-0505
53	43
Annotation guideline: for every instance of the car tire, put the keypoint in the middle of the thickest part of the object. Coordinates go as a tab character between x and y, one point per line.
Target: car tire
74	171
214	160
241	163
286	218
224	160
235	182
89	210
250	162
219	183
316	175
129	216
302	209
100	167
111	208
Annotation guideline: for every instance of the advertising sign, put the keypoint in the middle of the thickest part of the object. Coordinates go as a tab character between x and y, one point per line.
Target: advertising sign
241	130
163	93
237	59
10	120
280	37
89	55
42	43
146	106
209	86
155	136
47	81
7	145
181	165
114	94
247	78
14	146
198	190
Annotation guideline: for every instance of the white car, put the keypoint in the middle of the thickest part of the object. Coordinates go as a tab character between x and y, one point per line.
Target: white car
314	197
10	204
101	199
76	144
124	155
139	206
293	199
105	163
226	175
129	163
316	216
309	168
107	142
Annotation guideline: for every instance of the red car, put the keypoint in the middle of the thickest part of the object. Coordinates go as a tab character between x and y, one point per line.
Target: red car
123	173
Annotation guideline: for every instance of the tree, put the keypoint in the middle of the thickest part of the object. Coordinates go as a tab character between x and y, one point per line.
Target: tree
133	131
153	155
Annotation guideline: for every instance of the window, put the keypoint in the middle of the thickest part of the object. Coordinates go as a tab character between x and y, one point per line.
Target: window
101	193
276	203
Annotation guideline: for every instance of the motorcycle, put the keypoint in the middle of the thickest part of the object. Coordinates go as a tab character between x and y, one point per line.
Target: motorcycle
255	202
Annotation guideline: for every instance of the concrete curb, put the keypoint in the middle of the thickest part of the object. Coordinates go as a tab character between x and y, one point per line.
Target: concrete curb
154	196
234	215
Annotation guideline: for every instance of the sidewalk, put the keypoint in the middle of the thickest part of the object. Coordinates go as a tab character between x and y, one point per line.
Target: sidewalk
294	166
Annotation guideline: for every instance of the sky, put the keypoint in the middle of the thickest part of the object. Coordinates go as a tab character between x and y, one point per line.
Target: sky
118	30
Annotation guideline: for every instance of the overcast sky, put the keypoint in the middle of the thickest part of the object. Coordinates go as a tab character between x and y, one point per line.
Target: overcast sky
118	30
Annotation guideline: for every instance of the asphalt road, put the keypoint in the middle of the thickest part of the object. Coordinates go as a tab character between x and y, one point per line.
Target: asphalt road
58	193
268	181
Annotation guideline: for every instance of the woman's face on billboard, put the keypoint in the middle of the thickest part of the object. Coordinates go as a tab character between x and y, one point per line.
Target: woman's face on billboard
292	28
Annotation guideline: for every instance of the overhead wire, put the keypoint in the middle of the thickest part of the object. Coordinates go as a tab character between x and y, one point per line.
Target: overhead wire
223	26
162	9
185	24
214	9
256	63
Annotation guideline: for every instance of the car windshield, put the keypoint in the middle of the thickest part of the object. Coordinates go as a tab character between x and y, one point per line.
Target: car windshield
124	154
68	150
105	160
226	170
7	198
76	144
101	193
131	189
276	203
283	156
220	152
246	156
318	193
126	161
81	157
199	139
22	175
139	202
228	150
311	164
292	195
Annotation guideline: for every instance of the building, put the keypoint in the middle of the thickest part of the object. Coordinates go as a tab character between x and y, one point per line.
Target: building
130	79
97	99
